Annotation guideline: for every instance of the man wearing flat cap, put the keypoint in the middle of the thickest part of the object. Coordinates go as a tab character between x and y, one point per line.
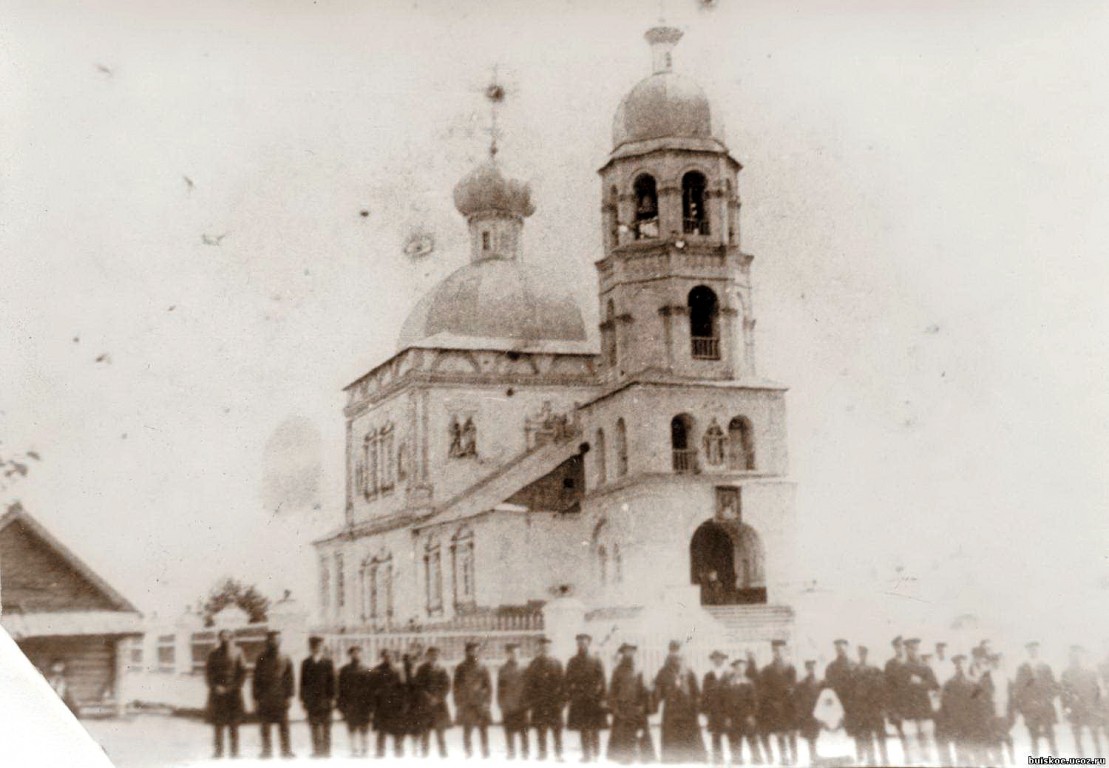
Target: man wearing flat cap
431	686
544	693
473	694
585	689
273	687
839	675
714	704
677	691
776	708
805	696
629	699
225	673
1080	695
317	695
958	708
510	700
869	703
895	681
742	706
1034	692
391	703
915	706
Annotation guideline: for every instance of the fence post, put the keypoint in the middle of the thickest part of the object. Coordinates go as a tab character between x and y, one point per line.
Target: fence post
183	629
291	620
563	618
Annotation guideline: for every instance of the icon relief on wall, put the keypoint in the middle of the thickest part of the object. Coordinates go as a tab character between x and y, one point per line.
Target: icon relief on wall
463	433
727	504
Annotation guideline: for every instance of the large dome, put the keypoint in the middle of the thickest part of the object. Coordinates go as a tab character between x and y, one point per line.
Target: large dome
495	303
663	105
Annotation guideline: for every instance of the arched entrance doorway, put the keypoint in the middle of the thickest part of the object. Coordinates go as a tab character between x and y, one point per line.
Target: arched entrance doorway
726	562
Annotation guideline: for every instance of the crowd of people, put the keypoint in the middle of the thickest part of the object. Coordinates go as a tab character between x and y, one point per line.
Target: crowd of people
954	710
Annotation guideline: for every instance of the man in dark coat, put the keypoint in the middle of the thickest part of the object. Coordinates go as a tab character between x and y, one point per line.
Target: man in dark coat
868	694
957	705
629	699
355	701
839	675
895	681
915	706
273	687
473	693
776	709
225	673
431	686
805	696
1080	694
677	691
1034	694
511	702
742	702
317	695
714	704
390	704
544	693
585	689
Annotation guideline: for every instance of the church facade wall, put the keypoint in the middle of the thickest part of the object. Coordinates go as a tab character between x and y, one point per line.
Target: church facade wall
653	523
647	411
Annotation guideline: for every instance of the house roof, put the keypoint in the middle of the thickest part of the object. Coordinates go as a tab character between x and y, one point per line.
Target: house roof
16	513
69	623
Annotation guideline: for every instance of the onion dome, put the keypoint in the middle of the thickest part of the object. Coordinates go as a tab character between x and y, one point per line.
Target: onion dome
485	190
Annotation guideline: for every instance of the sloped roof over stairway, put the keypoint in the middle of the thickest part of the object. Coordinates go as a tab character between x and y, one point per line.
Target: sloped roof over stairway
548	478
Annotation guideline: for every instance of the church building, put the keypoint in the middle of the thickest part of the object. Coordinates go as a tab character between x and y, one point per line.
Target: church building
499	459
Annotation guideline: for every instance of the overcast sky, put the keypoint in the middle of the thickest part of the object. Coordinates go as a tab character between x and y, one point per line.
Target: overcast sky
924	190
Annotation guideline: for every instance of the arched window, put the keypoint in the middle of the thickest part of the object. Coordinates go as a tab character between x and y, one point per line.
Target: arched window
602	472
386	458
368	488
602	562
387	579
360	472
731	208
402	461
681	443
714	444
613	217
610	334
433	576
704	311
741	444
646	207
340	583
367	582
325	585
694	216
369	452
621	448
462	556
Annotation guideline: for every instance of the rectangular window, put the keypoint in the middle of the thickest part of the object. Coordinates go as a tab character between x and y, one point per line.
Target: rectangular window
340	583
167	653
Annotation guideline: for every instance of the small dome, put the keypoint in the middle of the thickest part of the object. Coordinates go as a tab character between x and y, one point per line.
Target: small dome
502	302
485	189
663	105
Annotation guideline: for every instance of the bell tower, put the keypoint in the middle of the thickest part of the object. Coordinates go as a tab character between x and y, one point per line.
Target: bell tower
675	292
